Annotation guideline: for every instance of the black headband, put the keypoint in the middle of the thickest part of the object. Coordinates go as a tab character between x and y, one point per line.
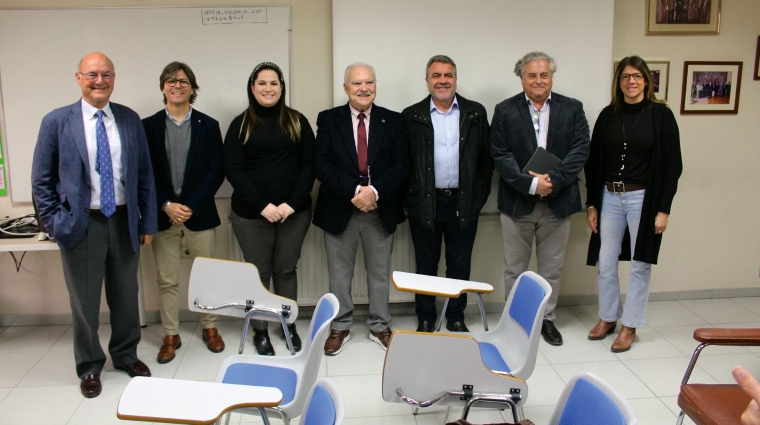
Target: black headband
267	65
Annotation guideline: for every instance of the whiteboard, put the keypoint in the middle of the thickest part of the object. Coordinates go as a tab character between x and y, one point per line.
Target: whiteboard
40	50
485	38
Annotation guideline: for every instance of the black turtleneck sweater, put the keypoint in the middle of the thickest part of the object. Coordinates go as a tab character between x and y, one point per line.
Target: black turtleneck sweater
628	144
269	168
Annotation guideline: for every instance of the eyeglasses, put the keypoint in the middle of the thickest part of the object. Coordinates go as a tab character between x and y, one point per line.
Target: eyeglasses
626	77
92	76
171	82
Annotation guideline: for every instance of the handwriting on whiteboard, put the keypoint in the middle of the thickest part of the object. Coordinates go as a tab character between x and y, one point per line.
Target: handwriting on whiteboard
233	15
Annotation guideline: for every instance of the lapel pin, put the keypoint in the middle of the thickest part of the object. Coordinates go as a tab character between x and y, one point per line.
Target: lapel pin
383	120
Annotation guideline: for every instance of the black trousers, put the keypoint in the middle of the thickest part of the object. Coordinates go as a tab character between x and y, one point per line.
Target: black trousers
427	248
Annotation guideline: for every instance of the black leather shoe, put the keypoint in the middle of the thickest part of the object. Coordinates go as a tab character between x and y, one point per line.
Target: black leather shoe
294	338
550	333
457	326
425	326
90	385
137	368
262	343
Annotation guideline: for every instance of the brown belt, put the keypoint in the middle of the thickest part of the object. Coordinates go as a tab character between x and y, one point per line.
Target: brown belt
119	208
620	187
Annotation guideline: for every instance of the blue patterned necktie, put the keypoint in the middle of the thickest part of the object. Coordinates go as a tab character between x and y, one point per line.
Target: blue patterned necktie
104	168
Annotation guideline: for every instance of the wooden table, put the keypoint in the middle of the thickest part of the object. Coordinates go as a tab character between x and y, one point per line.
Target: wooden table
190	402
441	287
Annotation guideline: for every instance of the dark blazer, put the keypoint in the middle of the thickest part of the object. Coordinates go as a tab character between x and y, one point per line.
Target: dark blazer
337	166
513	142
203	169
476	166
61	175
663	172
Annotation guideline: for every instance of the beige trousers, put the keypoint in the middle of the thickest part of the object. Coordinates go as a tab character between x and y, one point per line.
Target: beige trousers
167	246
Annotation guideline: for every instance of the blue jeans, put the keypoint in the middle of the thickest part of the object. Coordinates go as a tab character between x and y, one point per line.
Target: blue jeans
619	209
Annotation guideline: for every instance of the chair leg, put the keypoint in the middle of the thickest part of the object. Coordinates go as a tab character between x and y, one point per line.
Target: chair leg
443	313
448	414
518	414
681	415
482	311
264	417
415	410
227	417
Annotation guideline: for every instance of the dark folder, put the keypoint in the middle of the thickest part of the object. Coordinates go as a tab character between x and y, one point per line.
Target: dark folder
541	162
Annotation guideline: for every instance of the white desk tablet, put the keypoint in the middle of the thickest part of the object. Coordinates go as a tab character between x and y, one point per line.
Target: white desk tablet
189	402
441	287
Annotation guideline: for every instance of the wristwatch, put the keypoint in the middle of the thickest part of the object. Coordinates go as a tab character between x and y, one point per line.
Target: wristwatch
166	204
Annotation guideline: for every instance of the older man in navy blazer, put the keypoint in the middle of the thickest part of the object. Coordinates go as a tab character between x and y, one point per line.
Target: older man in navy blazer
361	160
537	205
93	183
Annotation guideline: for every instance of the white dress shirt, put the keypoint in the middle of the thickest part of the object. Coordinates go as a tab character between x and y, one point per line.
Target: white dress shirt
542	130
114	142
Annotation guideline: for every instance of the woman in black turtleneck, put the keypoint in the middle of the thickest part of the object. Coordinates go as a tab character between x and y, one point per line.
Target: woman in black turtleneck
269	160
631	178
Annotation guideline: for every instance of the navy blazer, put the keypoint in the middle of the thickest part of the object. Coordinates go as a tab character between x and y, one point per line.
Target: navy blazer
337	167
203	169
61	175
513	142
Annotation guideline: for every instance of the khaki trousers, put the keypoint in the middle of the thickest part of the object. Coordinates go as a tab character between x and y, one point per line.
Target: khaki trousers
167	246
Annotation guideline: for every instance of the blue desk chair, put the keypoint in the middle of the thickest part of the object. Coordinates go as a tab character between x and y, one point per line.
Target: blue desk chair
324	404
293	375
587	400
512	346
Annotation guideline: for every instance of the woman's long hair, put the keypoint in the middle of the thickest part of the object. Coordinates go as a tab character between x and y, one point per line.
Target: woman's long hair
289	118
638	63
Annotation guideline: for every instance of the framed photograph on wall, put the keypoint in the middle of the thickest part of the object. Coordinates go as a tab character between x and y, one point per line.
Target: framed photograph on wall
660	76
757	61
711	87
683	17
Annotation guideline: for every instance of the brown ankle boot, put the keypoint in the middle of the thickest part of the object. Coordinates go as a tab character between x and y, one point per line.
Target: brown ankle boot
624	339
601	330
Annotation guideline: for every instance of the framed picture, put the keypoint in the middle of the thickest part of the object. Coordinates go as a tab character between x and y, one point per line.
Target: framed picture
660	76
683	17
711	87
757	61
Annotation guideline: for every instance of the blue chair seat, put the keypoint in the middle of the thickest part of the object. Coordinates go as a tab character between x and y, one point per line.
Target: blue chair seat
321	409
491	357
263	376
587	404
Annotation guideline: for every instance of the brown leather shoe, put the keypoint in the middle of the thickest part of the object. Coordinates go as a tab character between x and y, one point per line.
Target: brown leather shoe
624	339
383	337
137	368
167	351
336	341
90	385
601	330
213	340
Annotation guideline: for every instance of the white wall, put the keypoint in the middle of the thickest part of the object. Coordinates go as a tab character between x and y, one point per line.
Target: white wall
713	239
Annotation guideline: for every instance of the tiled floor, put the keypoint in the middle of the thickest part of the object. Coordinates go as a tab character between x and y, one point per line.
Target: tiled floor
38	384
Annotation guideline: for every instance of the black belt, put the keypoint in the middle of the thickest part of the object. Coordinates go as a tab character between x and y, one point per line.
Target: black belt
446	192
620	187
119	208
